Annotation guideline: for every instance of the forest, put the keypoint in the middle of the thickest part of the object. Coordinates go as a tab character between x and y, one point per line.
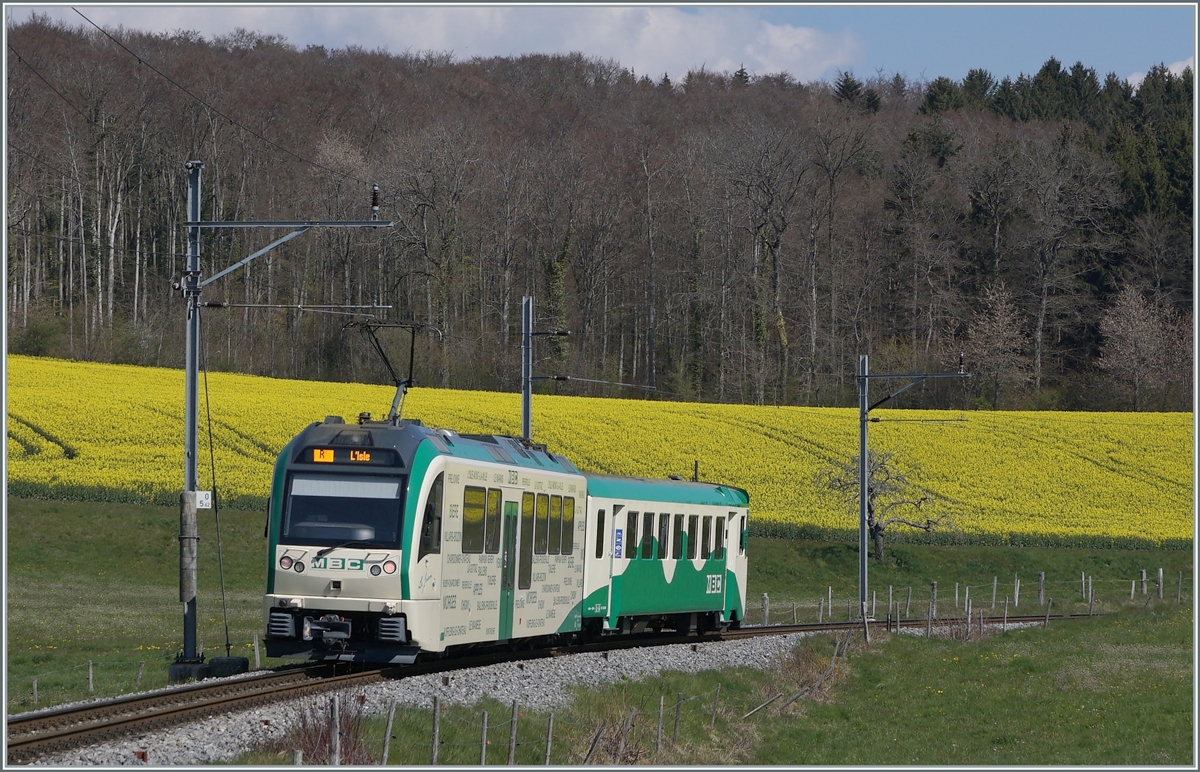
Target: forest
727	237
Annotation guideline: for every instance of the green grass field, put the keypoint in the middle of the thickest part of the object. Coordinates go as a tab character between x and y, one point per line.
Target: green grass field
89	581
1113	690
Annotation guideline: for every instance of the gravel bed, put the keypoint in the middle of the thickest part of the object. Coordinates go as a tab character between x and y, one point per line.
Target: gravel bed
540	684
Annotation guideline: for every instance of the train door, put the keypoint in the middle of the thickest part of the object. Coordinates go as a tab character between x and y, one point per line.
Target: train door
508	563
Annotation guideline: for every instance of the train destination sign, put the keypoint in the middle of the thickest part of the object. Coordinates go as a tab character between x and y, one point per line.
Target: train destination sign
372	456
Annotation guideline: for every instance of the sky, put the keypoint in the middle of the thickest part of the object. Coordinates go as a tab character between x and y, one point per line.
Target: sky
810	42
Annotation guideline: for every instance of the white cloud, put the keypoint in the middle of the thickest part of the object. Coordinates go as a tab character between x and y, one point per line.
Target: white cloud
650	39
1177	68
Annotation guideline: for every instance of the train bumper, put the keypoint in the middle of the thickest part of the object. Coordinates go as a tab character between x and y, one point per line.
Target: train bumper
394	655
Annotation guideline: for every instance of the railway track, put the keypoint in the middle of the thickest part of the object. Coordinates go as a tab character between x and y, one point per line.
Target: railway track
55	730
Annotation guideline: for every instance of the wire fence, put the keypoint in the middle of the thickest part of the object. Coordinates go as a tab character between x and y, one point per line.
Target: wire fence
941	599
100	678
1018	594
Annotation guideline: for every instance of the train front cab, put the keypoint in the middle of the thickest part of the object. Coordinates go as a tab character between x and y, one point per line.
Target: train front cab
482	547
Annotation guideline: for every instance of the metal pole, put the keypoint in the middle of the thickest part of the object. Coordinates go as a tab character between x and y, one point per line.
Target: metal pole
862	479
188	533
526	366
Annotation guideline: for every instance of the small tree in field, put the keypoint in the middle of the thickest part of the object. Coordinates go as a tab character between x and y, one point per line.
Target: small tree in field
890	494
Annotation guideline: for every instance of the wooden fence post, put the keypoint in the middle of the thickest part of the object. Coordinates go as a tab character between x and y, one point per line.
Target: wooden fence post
662	704
595	742
866	624
889	600
91	685
141	670
387	734
35	697
1091	596
1041	588
1143	581
872	605
908	602
483	741
1016	592
257	661
335	733
1132	588
929	620
994	579
512	736
1004	627
956	598
716	701
933	600
793	612
829	602
820	610
297	758
624	733
1160	584
437	723
1049	603
549	737
766	609
1179	592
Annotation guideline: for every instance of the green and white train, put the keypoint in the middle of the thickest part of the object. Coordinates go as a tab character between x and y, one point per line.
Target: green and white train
389	539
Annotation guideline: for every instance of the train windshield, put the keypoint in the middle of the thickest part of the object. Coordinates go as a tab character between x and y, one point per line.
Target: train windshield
332	509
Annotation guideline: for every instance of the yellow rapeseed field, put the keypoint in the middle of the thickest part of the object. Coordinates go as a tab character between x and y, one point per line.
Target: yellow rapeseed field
109	432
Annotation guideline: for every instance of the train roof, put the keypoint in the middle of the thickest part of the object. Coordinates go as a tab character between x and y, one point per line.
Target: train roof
406	435
674	491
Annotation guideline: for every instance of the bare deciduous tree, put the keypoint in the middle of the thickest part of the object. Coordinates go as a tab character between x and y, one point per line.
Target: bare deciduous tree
889	492
996	342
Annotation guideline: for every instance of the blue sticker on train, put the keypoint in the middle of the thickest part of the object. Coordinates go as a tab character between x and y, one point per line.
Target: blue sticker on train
617	543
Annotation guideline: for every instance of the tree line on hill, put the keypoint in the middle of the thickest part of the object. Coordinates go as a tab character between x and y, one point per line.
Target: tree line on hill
729	237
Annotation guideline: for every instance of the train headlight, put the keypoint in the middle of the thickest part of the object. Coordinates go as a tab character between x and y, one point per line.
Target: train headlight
285	562
299	567
376	570
389	567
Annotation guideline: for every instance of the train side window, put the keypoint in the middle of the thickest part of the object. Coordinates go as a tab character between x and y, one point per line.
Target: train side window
631	542
526	568
568	534
706	537
541	524
431	525
677	544
664	534
491	530
719	552
648	536
472	527
555	525
693	535
742	536
600	534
